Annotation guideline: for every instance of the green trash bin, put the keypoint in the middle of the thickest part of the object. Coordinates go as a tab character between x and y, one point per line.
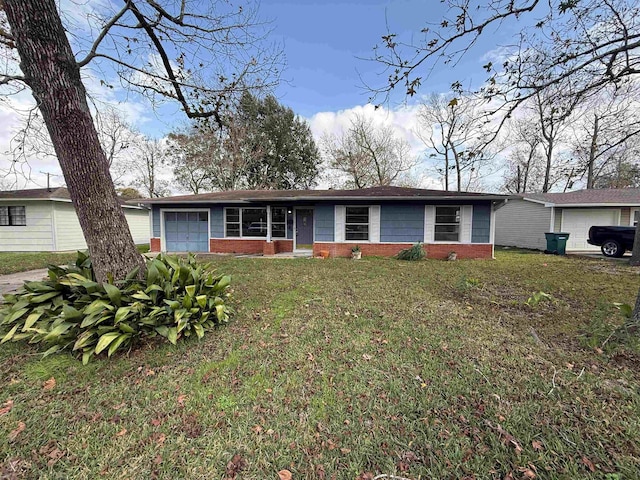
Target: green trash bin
556	242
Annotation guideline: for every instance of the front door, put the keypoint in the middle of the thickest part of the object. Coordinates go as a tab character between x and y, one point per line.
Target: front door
304	228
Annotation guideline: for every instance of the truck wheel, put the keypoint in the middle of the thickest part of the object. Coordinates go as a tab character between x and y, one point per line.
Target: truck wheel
612	248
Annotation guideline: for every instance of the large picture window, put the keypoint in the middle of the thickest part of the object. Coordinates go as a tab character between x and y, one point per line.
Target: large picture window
13	216
357	223
252	222
447	224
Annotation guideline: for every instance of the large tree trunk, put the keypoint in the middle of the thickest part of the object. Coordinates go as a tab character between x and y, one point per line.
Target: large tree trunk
52	73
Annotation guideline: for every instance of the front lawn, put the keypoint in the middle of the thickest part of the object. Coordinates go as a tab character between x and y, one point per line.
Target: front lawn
13	262
351	369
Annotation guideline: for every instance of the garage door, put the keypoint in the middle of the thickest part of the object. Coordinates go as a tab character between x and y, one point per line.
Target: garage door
577	222
186	231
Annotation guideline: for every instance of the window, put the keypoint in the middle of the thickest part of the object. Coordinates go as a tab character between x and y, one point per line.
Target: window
357	223
635	216
447	224
252	222
13	216
278	222
232	222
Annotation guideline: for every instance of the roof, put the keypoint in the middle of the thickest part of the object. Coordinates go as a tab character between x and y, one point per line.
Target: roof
36	194
56	194
589	197
374	193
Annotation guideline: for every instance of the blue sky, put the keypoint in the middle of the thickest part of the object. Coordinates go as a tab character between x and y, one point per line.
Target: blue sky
323	42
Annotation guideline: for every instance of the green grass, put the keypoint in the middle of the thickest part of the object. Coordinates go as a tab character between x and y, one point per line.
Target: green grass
13	262
335	369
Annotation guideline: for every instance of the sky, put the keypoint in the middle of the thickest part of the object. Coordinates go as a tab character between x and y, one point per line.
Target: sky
327	46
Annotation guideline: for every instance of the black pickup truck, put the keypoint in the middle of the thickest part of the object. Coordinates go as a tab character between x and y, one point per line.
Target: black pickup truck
613	241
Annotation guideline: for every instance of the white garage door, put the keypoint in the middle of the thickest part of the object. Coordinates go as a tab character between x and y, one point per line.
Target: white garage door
577	222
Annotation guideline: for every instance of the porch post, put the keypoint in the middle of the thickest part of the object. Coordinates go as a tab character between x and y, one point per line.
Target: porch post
269	223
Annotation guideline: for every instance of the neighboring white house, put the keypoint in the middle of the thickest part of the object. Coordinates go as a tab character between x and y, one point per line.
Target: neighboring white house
43	219
523	221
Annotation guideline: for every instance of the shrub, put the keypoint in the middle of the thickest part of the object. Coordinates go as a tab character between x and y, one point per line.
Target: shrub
413	253
71	311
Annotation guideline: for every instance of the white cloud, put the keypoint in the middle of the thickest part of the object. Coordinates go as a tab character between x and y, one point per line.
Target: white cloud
401	121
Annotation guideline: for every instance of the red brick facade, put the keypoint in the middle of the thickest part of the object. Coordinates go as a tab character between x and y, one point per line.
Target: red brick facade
236	245
154	245
434	250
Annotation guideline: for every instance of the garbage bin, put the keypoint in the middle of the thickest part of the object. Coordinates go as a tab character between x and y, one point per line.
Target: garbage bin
556	242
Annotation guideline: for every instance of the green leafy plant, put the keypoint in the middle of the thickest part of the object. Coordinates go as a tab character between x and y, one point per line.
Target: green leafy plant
71	311
467	283
538	297
413	253
355	249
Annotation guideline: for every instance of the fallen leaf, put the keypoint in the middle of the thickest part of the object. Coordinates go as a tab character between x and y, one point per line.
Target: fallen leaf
6	407
588	463
121	432
537	445
161	438
366	357
49	384
14	433
158	459
234	466
181	399
156	422
54	455
527	472
284	475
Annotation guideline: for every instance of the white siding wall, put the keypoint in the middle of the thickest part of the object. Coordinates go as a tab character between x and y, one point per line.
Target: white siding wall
70	236
139	225
36	236
466	218
522	224
68	232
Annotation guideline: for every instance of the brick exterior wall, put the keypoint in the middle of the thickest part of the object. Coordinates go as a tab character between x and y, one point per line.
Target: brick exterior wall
229	245
436	250
154	245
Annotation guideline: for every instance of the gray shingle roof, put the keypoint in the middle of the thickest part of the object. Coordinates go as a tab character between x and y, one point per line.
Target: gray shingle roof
36	194
591	197
56	193
399	193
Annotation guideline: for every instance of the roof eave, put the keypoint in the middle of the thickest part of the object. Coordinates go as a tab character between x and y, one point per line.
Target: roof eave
318	198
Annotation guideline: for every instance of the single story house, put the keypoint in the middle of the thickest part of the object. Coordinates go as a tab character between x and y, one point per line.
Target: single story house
523	221
381	220
44	220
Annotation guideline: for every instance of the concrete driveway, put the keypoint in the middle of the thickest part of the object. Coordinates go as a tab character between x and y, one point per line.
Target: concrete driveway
13	281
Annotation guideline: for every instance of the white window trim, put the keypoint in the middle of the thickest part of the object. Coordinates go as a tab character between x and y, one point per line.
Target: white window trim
435	208
631	215
163	243
344	232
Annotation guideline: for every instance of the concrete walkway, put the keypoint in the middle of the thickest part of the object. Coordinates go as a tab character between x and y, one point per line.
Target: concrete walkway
13	281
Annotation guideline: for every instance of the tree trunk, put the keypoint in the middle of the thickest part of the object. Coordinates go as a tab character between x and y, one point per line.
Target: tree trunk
52	73
592	153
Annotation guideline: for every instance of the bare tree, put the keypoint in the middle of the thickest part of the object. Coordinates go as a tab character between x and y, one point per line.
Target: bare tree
146	163
606	131
200	58
369	155
116	137
453	129
525	171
